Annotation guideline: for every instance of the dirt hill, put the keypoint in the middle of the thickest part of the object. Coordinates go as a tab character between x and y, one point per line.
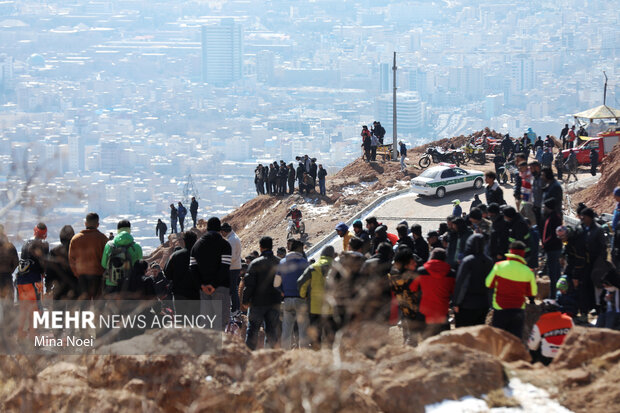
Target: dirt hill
600	196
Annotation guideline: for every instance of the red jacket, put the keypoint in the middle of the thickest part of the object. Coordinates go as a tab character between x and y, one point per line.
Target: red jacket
436	283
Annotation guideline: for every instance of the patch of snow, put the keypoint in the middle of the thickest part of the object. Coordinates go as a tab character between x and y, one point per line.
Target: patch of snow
311	211
531	398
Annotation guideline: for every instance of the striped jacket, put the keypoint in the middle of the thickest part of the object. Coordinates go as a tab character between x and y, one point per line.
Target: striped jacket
512	281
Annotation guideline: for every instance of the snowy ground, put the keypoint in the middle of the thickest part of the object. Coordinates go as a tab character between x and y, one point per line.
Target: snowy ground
531	398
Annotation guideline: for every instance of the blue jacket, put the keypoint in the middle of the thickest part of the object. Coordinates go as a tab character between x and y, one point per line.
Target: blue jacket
182	212
547	159
290	269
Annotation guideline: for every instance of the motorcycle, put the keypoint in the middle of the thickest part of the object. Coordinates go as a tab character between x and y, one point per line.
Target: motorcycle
435	155
504	171
295	227
475	153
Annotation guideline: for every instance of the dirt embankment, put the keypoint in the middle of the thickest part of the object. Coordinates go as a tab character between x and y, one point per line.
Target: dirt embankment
600	196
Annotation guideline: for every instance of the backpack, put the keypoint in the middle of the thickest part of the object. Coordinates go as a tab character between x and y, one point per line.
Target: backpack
119	265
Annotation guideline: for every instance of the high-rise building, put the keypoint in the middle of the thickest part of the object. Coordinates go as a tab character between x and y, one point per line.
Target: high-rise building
522	71
418	82
265	66
222	52
409	110
76	153
384	77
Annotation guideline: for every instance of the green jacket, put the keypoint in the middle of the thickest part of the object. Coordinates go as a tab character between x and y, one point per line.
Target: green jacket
313	279
123	238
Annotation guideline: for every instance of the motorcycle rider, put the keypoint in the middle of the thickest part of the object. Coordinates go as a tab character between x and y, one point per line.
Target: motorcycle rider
295	215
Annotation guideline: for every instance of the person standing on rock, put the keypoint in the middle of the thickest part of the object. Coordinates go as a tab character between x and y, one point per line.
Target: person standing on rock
261	297
182	213
403	155
210	262
85	254
235	264
294	308
321	174
193	208
512	282
471	296
173	219
366	143
8	263
160	230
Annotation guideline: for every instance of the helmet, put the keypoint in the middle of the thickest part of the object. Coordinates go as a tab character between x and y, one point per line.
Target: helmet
293	207
562	284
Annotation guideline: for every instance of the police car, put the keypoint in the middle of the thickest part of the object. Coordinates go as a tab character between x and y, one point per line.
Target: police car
444	178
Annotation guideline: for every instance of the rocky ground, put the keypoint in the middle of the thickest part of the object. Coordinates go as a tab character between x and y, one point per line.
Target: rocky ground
376	374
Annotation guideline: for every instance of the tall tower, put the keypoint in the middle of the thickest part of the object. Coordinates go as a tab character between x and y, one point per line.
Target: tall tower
222	52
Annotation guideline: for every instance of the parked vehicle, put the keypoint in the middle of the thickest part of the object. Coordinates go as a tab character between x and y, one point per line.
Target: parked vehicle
604	142
474	153
435	155
444	178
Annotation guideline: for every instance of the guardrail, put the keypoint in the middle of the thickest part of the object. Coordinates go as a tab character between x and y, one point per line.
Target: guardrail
328	238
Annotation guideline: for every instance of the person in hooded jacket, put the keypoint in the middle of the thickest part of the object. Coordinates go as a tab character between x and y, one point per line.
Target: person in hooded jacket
59	278
435	282
122	241
8	263
373	292
379	236
471	296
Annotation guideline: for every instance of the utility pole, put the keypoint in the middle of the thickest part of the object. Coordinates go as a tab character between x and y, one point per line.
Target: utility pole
605	90
394	143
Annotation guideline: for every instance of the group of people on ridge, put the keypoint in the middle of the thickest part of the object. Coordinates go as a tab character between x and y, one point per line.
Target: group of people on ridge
279	179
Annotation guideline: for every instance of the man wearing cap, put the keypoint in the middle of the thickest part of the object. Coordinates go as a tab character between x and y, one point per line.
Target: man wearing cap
210	261
343	232
361	233
551	243
512	282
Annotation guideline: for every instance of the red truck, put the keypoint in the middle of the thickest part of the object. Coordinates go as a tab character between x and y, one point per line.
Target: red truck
603	143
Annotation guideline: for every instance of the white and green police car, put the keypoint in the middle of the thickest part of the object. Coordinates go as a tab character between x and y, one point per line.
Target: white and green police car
443	178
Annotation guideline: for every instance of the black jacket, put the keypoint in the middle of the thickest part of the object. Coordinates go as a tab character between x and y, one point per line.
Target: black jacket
210	260
407	241
173	213
300	172
373	290
550	240
470	291
161	228
193	208
313	170
184	283
494	194
59	272
291	174
322	173
498	244
554	190
421	249
258	282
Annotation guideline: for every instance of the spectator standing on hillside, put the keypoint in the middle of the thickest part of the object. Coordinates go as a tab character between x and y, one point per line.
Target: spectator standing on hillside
563	135
571	137
512	282
294	308
420	246
321	174
258	180
59	279
210	262
193	209
403	155
173	219
31	271
366	143
272	179
291	179
160	230
267	189
85	254
378	131
313	170
301	169
182	213
282	178
8	263
374	142
119	258
235	264
185	286
262	298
